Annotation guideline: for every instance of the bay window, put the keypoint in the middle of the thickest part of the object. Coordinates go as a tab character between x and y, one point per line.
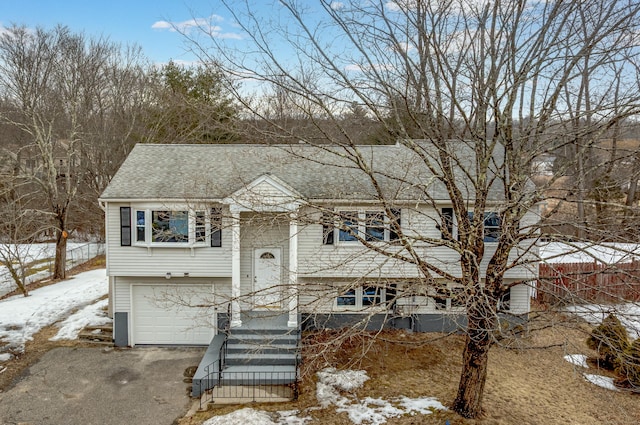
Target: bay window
170	226
156	227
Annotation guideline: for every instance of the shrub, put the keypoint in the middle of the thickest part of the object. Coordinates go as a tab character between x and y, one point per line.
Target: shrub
629	367
610	340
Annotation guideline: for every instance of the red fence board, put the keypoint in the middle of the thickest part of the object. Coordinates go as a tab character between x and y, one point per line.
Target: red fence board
588	282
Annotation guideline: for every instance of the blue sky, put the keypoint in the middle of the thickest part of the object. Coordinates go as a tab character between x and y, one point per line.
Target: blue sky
133	21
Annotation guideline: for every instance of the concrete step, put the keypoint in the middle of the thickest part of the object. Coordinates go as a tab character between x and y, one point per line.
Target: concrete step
261	349
258	375
104	328
246	359
263	331
262	339
95	336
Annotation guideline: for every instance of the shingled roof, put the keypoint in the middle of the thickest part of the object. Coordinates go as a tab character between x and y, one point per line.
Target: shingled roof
213	172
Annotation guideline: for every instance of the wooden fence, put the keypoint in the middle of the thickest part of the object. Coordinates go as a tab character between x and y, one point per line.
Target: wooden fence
588	282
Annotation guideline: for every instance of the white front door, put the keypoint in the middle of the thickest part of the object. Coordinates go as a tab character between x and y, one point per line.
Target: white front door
267	278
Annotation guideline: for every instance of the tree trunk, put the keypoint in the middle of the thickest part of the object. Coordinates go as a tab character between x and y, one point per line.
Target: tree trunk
468	402
18	277
59	268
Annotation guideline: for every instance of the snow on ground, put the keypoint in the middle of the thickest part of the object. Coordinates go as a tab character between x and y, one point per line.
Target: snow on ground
92	315
249	416
601	381
577	360
29	253
579	252
331	385
21	317
629	315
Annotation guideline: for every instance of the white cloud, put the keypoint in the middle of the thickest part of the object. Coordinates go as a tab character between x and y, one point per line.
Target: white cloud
337	5
162	25
353	68
208	25
393	6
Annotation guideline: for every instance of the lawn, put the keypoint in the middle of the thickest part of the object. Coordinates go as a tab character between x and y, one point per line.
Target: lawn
529	380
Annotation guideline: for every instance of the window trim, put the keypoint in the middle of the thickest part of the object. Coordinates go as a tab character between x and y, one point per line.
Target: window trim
487	215
359	295
444	298
361	226
211	238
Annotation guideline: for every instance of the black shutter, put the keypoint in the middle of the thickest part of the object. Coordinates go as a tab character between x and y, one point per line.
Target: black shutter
327	229
393	234
125	226
447	223
216	227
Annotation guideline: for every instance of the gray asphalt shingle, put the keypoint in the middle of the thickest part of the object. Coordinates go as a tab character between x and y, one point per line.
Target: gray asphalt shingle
213	172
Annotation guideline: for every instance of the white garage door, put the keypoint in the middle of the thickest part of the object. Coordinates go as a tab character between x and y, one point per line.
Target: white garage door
173	314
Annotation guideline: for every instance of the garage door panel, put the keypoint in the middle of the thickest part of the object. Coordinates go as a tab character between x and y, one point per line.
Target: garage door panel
159	316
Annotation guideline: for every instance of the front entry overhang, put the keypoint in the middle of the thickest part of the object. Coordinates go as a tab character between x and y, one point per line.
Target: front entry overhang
266	194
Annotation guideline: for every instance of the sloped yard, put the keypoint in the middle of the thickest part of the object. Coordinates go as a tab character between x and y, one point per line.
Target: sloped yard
529	383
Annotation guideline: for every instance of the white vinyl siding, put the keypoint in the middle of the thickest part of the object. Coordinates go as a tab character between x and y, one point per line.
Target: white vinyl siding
353	259
520	302
257	232
199	261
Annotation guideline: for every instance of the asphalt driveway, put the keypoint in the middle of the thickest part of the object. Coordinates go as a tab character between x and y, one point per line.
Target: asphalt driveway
84	386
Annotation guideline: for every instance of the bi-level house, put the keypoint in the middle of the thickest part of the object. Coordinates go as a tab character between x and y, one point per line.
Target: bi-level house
205	238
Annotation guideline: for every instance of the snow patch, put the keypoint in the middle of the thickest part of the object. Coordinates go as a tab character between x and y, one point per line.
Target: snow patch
577	359
21	317
373	411
628	314
601	381
249	416
5	357
91	315
242	417
582	252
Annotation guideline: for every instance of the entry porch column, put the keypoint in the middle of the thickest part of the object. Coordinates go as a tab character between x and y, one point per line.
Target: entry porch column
293	271
236	321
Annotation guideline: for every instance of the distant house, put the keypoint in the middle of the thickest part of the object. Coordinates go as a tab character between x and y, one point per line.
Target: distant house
203	237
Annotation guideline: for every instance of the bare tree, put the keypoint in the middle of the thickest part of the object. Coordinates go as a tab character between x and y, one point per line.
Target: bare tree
484	85
56	85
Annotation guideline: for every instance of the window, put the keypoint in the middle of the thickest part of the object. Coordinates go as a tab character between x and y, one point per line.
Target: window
216	227
348	298
393	231
491	227
372	226
140	226
201	227
170	226
364	297
349	228
328	228
177	227
371	296
492	223
452	297
446	227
